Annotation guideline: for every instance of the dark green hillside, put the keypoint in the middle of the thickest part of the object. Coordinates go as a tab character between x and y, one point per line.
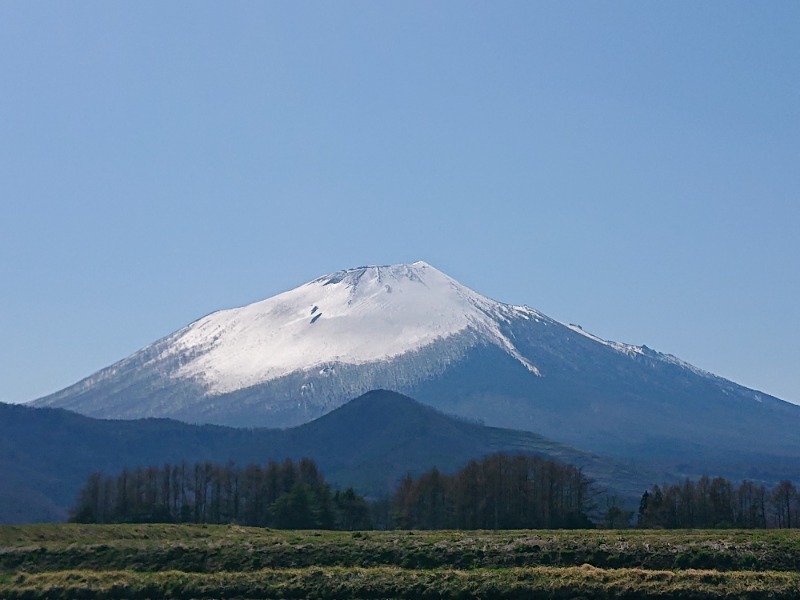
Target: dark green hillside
46	454
381	436
370	443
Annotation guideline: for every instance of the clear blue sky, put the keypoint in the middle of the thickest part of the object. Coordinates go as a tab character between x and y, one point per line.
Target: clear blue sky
633	167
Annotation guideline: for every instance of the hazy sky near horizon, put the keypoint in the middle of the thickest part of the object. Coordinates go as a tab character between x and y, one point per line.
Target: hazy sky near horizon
633	167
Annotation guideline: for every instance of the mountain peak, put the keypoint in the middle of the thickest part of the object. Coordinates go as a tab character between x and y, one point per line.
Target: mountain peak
415	271
352	317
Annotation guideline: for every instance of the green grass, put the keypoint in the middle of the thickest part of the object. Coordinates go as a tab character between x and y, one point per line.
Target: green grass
197	548
391	582
195	561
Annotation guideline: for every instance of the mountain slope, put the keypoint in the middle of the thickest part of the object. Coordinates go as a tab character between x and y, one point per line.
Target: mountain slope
293	357
369	443
383	435
410	328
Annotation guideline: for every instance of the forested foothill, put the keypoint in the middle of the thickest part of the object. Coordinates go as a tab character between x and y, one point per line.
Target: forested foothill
49	454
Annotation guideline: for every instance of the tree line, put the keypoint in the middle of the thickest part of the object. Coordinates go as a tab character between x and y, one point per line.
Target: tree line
284	495
719	503
498	492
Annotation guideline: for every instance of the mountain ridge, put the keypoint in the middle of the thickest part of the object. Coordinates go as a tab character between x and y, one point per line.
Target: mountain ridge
296	356
369	443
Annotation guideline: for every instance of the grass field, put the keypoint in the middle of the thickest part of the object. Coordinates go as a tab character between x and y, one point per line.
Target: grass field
193	561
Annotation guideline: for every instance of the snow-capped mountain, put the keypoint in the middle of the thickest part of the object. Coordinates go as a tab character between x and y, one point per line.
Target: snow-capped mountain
353	317
411	328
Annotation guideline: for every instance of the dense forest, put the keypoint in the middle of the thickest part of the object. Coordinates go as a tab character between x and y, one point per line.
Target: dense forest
718	503
498	492
288	495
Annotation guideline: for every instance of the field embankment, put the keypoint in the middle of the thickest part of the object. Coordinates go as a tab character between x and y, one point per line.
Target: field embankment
195	561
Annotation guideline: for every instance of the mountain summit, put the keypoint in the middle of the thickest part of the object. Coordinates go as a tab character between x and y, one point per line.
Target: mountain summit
352	317
411	328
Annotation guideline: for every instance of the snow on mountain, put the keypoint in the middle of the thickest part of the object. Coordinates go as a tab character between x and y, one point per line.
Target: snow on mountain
632	350
296	356
351	317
